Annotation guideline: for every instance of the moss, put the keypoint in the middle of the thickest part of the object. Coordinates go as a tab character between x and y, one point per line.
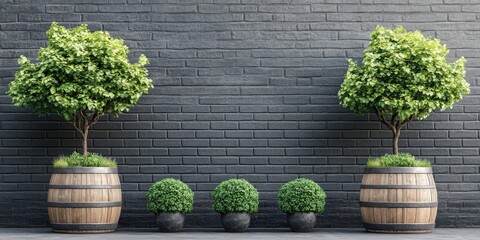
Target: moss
78	160
399	160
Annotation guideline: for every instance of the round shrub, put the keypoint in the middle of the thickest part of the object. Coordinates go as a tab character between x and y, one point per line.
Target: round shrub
77	160
301	195
170	195
235	195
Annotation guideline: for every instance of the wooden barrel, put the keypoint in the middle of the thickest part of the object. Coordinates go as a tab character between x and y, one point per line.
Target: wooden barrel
84	199
398	199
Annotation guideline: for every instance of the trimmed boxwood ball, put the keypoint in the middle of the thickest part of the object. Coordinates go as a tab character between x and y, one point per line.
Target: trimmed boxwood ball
170	195
235	196
400	160
301	195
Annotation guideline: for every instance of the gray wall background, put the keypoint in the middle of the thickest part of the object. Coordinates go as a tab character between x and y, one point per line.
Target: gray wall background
244	88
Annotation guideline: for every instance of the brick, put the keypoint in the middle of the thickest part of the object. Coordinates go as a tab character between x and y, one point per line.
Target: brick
238	117
174	8
284	8
243	8
269	169
224	143
152	134
209	134
196	160
224	109
182	152
463	134
240	169
122	8
253	143
211	169
238	134
136	178
212	8
195	143
224	125
253	125
298	169
195	178
181	134
282	125
58	8
195	125
182	169
464	152
212	152
463	169
240	151
86	8
153	169
137	125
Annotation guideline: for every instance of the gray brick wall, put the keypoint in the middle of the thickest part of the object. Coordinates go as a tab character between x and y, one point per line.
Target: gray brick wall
244	88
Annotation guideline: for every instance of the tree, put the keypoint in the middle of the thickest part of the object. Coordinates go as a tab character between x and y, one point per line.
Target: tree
404	76
81	76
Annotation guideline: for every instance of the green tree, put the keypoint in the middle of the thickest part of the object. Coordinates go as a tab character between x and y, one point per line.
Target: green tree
81	76
404	76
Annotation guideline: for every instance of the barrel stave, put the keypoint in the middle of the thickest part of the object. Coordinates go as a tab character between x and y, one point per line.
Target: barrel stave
76	186
398	188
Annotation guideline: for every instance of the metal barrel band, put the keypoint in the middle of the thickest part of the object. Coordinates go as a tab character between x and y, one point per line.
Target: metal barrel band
369	186
399	204
399	226
399	170
84	204
56	186
73	226
94	170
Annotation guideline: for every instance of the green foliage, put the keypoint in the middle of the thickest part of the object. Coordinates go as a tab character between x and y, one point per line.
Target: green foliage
170	195
78	160
235	195
404	74
80	71
398	160
301	195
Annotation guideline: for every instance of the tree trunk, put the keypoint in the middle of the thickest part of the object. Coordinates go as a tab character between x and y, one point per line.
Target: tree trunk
396	136
85	142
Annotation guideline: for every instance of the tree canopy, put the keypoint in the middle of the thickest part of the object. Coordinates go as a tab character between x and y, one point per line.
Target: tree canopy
404	76
80	75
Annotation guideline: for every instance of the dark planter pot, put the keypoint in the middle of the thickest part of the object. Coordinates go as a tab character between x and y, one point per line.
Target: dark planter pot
170	222
301	222
235	222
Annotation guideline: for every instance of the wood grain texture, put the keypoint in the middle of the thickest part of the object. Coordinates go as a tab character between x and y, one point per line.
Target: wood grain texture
399	215
84	215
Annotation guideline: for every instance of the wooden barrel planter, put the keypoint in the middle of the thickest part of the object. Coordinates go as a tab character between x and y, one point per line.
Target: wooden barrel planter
398	199
84	199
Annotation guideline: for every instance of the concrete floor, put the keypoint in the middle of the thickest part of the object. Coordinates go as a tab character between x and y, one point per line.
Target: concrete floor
252	234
